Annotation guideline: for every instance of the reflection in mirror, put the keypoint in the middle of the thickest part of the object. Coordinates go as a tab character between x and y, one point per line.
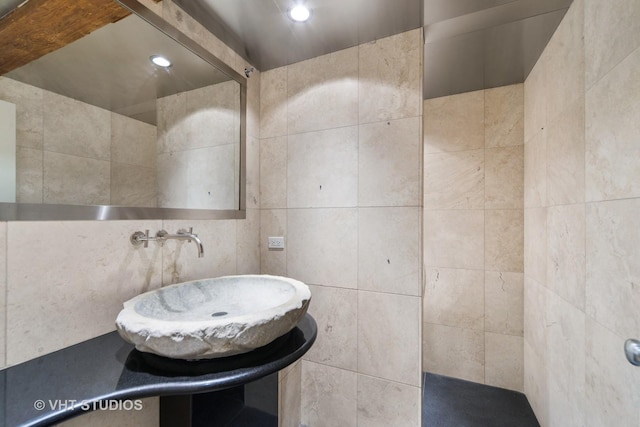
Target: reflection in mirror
97	123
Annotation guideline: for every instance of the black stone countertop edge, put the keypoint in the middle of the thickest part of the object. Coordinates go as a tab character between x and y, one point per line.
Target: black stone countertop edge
72	381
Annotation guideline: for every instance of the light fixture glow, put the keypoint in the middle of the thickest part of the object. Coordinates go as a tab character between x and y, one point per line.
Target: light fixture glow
299	13
160	61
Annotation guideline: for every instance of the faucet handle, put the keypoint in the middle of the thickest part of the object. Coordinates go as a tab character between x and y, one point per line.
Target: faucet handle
139	238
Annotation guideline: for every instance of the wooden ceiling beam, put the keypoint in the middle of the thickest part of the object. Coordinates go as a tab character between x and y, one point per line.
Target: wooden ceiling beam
42	26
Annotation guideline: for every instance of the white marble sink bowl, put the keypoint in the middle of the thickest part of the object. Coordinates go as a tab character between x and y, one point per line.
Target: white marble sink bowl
210	318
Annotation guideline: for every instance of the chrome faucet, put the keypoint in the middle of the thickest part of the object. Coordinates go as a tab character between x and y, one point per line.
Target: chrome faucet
139	238
182	234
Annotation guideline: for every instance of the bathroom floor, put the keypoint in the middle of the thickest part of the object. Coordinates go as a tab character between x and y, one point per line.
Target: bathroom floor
450	402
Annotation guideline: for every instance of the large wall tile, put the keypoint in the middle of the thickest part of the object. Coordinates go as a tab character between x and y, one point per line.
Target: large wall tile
454	123
535	103
389	250
252	171
273	223
535	244
29	111
504	116
322	168
29	171
535	384
566	347
504	365
329	396
290	396
390	77
535	171
335	311
212	115
565	64
172	131
613	270
323	246
248	243
133	142
504	303
273	173
566	253
612	383
612	127
504	240
389	163
565	157
389	337
132	185
67	122
384	403
454	352
83	271
180	258
75	180
273	103
454	239
454	180
504	177
454	298
535	325
611	32
327	83
564	409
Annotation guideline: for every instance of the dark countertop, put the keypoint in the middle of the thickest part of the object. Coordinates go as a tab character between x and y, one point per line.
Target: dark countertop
108	368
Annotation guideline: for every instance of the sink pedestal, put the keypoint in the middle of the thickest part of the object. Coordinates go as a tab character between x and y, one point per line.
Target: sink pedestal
255	403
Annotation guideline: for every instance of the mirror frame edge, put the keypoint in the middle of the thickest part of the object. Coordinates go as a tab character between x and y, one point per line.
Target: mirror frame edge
61	212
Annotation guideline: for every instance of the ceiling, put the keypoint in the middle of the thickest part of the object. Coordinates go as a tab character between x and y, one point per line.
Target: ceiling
469	44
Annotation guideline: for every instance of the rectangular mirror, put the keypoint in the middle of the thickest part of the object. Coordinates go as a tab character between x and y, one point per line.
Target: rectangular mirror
101	132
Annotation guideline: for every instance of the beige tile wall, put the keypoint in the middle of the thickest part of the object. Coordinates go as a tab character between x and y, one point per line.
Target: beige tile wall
340	173
65	281
582	168
473	236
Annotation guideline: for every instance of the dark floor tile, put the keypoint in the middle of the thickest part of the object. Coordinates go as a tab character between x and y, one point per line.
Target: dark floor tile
450	402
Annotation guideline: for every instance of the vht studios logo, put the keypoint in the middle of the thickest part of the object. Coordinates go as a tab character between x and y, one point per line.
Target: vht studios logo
102	405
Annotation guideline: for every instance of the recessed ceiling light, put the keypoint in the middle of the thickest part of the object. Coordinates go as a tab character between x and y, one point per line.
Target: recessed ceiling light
299	13
160	61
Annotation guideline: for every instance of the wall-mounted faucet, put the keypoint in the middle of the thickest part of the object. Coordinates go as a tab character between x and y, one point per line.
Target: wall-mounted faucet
139	238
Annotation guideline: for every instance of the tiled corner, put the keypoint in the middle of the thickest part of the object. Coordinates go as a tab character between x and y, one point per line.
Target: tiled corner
535	170
322	168
389	163
273	103
566	253
335	312
454	123
273	172
290	395
389	336
29	171
124	130
322	246
535	103
384	403
329	396
454	352
613	271
565	64
390	77
454	239
328	83
612	126
535	384
504	240
132	185
454	180
566	156
504	177
504	116
504	365
273	223
252	192
611	33
504	303
535	325
389	250
535	244
454	297
84	270
180	260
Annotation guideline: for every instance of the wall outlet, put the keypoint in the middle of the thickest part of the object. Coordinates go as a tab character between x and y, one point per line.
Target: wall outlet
276	242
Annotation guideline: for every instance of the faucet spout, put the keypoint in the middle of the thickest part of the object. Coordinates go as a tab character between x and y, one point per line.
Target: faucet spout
182	234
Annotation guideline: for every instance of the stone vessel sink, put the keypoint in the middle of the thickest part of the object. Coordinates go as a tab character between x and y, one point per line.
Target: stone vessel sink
205	319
